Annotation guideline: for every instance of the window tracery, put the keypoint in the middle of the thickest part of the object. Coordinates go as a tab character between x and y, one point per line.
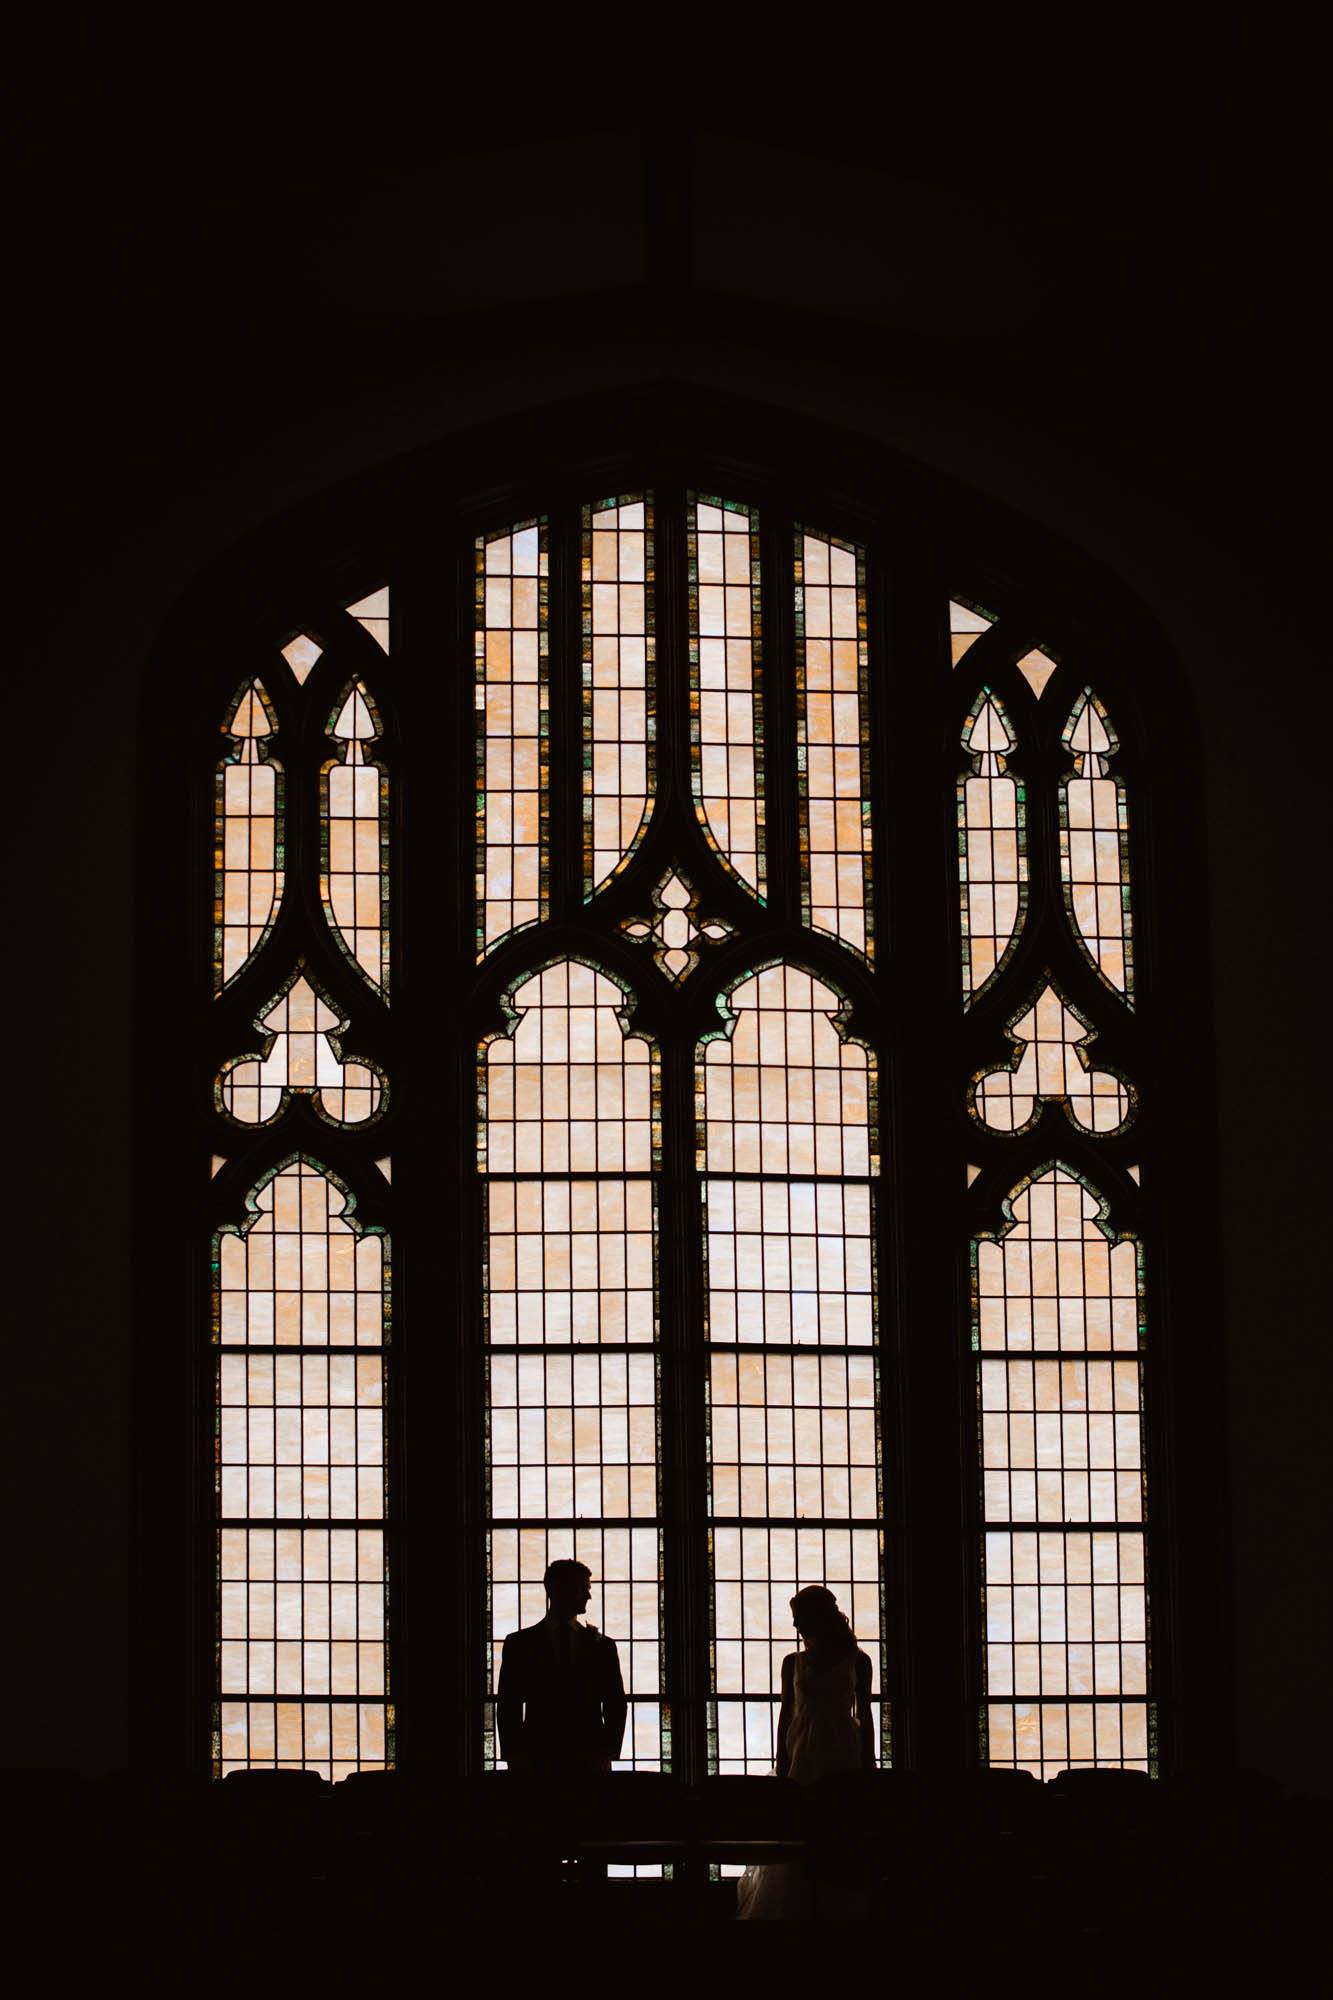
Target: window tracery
680	1020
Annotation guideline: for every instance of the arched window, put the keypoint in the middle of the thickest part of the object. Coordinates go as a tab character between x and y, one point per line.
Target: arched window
616	911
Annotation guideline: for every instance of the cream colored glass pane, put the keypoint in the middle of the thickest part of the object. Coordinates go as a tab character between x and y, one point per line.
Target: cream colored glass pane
301	654
1036	668
573	1435
793	1436
372	614
569	1091
724	611
1054	1064
301	1436
966	625
247	838
784	1093
354	882
512	696
619	720
1094	847
570	1261
333	1738
302	1058
1060	1408
301	1275
626	1565
993	865
832	741
757	1570
790	1263
302	1608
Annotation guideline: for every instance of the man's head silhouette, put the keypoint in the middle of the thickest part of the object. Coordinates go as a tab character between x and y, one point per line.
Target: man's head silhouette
568	1587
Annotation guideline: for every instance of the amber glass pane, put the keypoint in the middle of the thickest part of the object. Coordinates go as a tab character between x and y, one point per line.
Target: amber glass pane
300	1327
1094	845
992	847
354	875
248	864
568	1118
832	743
1058	1332
786	1129
724	661
512	640
619	717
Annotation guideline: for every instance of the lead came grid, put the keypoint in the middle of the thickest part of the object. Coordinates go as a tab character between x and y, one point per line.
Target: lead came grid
512	695
354	881
793	1432
570	1260
619	720
1060	1395
1094	844
572	1393
247	838
992	857
724	657
301	1610
833	739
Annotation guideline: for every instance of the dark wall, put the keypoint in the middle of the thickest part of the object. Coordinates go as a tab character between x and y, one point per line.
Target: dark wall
1099	334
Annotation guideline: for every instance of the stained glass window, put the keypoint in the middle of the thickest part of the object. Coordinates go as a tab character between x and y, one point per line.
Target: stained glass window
569	1136
1094	846
1058	1305
833	738
788	1150
248	839
354	876
992	847
300	1328
660	1107
619	712
724	656
512	641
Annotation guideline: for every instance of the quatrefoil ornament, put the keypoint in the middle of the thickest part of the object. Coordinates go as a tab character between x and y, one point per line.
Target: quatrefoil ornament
676	928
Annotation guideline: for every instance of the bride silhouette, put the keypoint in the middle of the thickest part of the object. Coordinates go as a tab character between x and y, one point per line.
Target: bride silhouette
824	1727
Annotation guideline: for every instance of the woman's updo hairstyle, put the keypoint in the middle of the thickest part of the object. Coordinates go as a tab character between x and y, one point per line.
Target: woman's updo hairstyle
817	1616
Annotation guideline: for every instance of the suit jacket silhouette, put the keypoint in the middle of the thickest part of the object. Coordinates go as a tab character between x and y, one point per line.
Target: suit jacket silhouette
561	1702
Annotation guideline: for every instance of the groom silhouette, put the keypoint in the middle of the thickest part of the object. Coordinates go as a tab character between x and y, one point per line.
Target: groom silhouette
561	1702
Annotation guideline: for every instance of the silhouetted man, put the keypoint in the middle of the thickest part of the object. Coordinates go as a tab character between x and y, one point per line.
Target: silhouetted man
561	1704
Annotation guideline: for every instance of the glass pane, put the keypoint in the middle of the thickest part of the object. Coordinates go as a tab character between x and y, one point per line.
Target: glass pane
248	862
724	661
299	1026
354	830
787	1121
1058	1329
833	738
300	1327
567	1142
619	716
1052	1062
512	641
967	622
992	847
1094	845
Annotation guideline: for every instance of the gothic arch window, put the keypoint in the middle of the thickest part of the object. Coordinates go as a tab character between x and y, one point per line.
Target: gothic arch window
621	911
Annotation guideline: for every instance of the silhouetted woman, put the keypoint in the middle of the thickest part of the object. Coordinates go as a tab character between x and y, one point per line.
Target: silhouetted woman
824	1726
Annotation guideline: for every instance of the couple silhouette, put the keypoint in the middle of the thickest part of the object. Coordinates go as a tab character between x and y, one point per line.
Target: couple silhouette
561	1700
